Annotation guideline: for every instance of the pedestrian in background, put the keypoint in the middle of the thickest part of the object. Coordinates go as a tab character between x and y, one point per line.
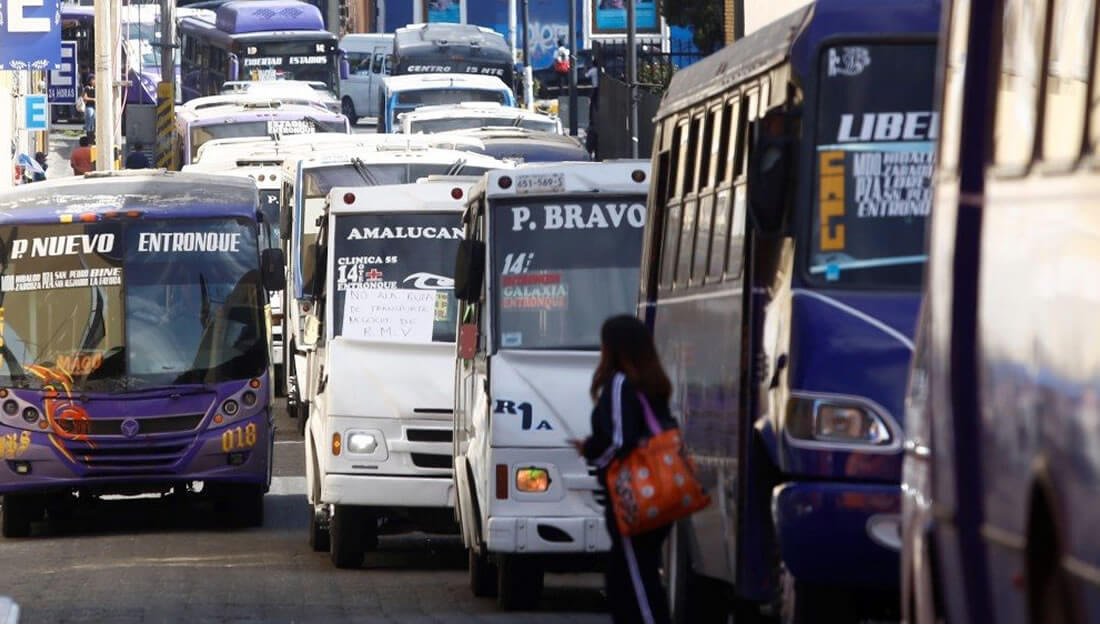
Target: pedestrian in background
628	374
81	158
593	75
88	96
40	158
137	158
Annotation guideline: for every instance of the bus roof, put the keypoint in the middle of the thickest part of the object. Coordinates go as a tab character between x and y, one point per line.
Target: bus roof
251	16
299	146
796	36
605	178
234	112
263	175
443	81
434	194
472	109
156	193
431	36
246	99
382	154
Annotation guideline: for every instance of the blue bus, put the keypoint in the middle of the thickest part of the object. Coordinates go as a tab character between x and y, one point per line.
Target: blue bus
257	40
781	277
134	351
1002	464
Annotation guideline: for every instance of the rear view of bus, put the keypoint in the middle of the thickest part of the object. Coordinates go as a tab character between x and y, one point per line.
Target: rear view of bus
134	355
551	251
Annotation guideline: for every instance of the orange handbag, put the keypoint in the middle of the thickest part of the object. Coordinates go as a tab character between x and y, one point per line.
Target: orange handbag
655	484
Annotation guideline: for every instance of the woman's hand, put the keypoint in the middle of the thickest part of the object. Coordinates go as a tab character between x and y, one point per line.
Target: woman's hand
577	444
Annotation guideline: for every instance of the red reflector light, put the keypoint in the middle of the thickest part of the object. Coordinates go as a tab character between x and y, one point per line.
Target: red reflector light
133	214
637	175
456	193
505	182
349	198
88	217
502	481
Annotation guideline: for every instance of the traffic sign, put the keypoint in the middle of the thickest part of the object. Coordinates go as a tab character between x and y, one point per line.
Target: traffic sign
30	34
37	117
61	84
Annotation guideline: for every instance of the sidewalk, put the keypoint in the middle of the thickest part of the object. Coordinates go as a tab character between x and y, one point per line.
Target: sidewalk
63	138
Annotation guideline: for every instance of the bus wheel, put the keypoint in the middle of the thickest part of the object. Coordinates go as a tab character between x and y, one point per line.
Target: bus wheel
318	528
519	583
483	574
18	514
347	107
346	537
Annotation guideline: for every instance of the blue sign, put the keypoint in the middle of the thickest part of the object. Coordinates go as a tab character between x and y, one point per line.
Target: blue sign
38	107
61	84
609	16
445	11
30	34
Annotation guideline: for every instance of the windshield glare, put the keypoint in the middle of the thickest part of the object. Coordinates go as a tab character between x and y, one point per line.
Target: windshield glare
429	126
123	306
876	135
561	267
392	277
232	130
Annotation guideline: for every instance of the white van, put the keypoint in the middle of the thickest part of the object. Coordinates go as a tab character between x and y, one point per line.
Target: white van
382	325
401	94
550	252
369	55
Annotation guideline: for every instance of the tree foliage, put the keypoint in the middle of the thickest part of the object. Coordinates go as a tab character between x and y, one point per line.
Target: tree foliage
704	16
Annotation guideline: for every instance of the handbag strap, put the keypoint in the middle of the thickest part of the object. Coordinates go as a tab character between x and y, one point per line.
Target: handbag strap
617	410
650	418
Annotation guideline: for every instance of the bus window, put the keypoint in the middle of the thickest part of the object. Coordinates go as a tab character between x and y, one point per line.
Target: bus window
1018	85
1067	79
691	163
721	165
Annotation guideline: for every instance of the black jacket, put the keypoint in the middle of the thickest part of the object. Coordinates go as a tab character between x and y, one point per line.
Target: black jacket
598	446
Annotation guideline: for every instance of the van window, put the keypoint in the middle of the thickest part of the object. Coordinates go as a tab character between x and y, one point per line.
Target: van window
1018	84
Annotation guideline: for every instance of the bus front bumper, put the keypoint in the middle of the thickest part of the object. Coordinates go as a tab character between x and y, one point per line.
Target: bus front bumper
389	491
839	534
577	534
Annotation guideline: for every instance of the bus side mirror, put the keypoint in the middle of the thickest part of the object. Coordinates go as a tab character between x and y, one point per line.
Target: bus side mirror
469	270
345	66
234	67
285	220
309	270
771	166
273	268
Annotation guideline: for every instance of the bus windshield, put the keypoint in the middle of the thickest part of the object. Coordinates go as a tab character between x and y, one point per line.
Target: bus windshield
131	305
392	277
221	130
424	97
876	133
443	124
561	267
291	60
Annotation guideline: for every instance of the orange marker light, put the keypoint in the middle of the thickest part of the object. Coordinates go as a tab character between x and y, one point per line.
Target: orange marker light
218	418
254	383
336	444
3	393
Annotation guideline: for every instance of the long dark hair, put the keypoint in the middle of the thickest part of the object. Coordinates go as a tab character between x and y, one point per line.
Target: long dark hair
627	347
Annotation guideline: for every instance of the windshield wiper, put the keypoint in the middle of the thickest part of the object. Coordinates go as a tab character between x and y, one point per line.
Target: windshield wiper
364	171
456	167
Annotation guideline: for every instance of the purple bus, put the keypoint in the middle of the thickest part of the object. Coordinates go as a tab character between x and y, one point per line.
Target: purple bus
1002	465
134	355
258	40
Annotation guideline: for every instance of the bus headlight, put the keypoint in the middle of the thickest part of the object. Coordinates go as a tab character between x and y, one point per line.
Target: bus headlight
837	422
532	480
361	443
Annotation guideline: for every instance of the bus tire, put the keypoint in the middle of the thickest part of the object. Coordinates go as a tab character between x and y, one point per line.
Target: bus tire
280	381
519	583
318	529
346	537
693	598
347	107
483	574
18	513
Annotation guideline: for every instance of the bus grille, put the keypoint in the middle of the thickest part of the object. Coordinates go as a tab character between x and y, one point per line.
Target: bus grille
419	435
433	461
113	456
148	425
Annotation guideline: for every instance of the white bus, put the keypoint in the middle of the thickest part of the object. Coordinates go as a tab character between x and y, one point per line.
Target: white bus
382	325
550	252
306	184
474	116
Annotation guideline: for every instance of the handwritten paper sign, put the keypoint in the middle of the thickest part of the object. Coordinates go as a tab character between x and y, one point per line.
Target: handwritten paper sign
392	315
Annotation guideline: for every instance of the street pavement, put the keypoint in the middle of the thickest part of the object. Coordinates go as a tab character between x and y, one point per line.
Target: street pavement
148	560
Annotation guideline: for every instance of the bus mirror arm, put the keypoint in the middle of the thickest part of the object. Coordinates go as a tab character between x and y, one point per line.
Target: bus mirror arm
234	67
273	269
771	167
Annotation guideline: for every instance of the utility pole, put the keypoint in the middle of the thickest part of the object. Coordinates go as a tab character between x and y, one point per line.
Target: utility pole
166	88
632	75
105	85
573	67
528	75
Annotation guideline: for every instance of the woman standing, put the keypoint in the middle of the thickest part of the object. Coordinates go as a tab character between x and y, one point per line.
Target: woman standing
628	380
